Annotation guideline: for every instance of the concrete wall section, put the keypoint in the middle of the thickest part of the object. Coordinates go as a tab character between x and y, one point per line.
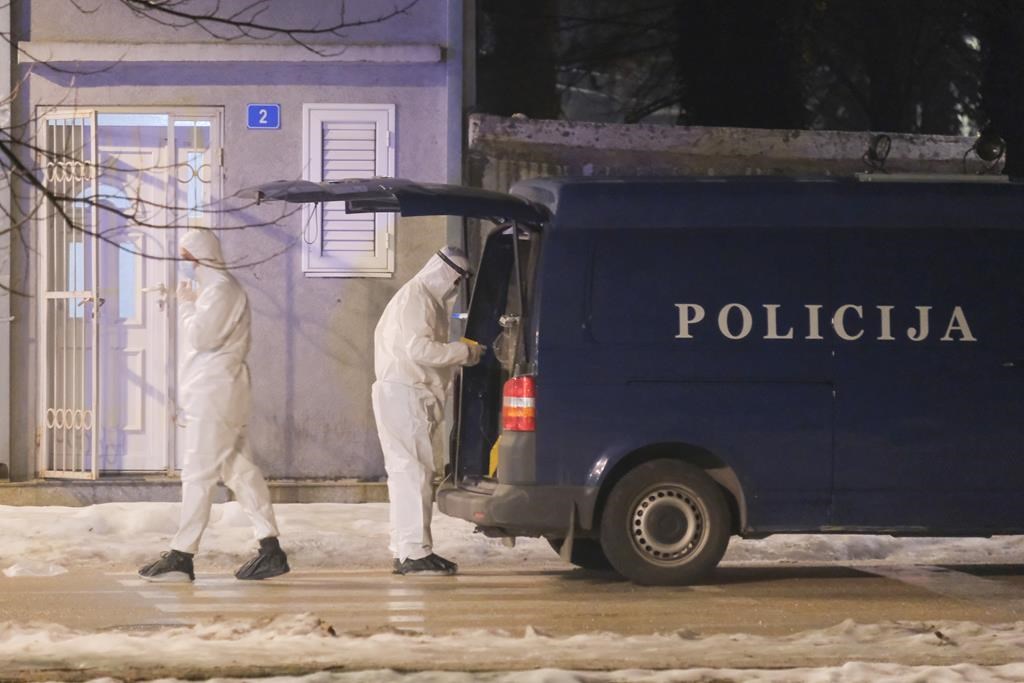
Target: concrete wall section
168	490
312	358
106	21
504	150
23	378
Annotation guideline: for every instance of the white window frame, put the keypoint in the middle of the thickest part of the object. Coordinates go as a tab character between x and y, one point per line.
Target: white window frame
313	118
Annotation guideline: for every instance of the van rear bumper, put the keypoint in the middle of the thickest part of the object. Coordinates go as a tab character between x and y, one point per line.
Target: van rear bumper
522	510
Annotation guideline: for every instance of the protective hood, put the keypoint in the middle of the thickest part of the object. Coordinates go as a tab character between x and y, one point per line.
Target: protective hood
442	272
204	245
215	332
410	342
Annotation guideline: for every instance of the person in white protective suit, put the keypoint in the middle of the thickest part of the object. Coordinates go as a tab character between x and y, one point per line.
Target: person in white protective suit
414	362
214	394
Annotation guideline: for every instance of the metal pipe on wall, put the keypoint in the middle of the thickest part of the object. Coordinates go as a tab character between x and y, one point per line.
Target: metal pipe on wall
6	321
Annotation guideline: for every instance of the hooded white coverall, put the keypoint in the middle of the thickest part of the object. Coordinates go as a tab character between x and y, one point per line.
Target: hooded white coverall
413	361
214	395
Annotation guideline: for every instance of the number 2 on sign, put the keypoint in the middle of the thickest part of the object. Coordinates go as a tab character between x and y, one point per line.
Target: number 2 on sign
263	115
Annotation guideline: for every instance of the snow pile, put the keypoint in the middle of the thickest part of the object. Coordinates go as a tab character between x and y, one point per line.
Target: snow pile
853	548
300	644
853	672
31	568
123	536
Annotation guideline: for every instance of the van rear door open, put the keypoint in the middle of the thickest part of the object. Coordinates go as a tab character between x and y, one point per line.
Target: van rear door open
407	198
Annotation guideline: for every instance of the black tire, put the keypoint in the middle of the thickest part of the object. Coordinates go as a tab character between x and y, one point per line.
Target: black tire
665	523
586	553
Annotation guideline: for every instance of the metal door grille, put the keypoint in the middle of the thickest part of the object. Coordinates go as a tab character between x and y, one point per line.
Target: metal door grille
70	357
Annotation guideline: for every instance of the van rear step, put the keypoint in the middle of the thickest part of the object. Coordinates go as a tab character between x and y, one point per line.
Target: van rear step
519	510
482	485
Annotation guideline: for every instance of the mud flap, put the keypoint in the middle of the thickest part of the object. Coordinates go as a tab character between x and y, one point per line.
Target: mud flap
565	552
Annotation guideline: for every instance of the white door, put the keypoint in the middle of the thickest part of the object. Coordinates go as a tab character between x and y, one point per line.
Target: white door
134	330
157	175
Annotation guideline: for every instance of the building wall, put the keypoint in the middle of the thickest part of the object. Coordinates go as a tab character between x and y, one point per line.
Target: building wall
312	353
114	21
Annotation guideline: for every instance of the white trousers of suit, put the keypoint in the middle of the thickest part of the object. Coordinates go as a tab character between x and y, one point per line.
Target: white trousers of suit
216	450
407	424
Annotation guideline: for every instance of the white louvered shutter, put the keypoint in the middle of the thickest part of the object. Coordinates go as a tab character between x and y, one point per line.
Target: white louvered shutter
348	141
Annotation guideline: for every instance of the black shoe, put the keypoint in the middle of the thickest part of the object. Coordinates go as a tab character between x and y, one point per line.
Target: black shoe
173	566
271	561
396	566
431	565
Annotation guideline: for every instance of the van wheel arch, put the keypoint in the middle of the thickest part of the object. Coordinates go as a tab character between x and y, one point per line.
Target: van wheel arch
713	466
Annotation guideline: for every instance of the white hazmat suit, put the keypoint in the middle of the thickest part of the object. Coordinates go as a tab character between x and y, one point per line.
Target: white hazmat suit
214	395
413	362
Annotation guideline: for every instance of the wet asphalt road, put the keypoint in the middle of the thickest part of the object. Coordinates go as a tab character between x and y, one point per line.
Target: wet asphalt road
768	599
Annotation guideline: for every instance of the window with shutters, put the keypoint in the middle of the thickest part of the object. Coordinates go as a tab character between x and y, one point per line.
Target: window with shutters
347	141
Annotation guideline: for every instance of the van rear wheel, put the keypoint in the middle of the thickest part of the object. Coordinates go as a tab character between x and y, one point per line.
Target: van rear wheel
665	523
586	553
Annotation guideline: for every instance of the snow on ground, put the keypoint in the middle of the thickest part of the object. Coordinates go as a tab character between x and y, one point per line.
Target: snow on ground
853	672
42	541
32	568
302	643
123	536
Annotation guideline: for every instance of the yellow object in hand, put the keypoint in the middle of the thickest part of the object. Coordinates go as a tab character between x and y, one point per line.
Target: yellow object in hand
492	466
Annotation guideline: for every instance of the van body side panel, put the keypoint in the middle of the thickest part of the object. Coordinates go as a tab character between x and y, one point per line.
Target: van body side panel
559	332
753	388
928	427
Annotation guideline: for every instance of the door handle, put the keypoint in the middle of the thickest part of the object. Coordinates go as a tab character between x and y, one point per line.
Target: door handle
160	289
97	302
1014	363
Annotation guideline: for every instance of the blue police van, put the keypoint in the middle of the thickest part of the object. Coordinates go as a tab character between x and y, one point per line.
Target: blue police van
675	361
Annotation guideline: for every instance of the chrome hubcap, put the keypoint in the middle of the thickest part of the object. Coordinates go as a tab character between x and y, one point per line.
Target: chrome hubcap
668	524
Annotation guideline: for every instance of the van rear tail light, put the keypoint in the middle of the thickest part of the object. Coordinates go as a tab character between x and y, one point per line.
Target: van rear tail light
518	407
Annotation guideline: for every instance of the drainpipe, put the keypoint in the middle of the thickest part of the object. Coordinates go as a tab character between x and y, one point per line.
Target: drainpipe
455	232
6	64
455	53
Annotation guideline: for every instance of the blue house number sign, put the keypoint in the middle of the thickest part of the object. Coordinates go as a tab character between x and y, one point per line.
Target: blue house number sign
264	116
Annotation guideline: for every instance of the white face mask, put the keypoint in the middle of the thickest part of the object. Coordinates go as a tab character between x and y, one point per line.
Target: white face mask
187	269
449	298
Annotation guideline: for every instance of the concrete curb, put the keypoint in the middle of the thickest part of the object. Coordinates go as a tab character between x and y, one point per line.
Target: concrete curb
168	489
